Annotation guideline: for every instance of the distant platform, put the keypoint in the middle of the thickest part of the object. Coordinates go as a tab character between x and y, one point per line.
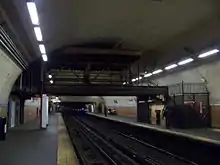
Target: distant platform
203	134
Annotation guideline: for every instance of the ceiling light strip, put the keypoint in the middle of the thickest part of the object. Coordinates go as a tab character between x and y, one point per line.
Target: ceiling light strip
171	67
148	75
157	71
42	49
32	9
44	57
209	53
189	60
38	33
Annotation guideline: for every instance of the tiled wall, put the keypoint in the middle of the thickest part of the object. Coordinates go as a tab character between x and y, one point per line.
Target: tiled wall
215	116
3	111
126	111
31	109
30	113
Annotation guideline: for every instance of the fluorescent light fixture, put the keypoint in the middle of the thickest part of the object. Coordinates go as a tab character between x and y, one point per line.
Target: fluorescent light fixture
44	56
209	53
148	75
49	76
42	49
51	81
38	33
32	9
171	66
157	71
186	61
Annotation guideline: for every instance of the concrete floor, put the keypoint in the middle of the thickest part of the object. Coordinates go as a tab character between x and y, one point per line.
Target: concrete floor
29	145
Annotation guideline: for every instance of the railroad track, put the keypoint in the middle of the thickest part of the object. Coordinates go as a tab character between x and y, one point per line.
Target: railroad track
92	149
140	151
112	147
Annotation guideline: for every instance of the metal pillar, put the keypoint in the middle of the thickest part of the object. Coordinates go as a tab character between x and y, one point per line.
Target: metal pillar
138	73
22	100
143	110
130	75
42	91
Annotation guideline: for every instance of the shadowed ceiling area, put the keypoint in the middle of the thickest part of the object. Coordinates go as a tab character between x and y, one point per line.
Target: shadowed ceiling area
118	35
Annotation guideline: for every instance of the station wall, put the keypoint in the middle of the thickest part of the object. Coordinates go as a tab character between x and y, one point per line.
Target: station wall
124	105
9	72
31	109
209	72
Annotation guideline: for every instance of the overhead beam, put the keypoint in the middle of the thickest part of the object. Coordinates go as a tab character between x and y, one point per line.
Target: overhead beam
106	90
92	51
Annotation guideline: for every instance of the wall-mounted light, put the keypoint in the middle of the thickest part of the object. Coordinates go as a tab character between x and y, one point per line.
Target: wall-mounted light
209	53
171	66
185	61
157	71
42	49
50	76
148	75
44	56
38	33
124	83
51	81
32	9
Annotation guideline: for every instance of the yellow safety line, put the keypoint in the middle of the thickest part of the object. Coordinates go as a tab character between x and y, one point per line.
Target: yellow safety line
66	154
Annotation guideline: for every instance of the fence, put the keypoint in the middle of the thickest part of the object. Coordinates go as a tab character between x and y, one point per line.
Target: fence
193	94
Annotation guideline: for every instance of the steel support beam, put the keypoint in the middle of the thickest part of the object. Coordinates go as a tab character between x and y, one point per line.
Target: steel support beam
106	90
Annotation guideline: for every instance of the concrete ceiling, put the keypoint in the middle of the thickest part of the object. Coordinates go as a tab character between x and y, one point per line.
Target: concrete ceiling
161	29
143	24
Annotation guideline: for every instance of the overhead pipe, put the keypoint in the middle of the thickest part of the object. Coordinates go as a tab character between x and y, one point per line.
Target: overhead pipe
8	44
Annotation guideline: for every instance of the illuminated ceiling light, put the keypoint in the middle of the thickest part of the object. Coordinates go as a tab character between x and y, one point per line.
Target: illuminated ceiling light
57	98
42	49
157	71
44	56
49	76
209	53
124	83
171	66
32	9
134	79
186	61
140	78
38	33
148	75
51	81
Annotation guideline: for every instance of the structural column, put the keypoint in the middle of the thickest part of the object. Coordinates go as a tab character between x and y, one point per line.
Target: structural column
22	101
44	111
143	111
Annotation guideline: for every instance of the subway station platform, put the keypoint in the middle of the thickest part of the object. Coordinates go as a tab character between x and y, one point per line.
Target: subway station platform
30	145
203	134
